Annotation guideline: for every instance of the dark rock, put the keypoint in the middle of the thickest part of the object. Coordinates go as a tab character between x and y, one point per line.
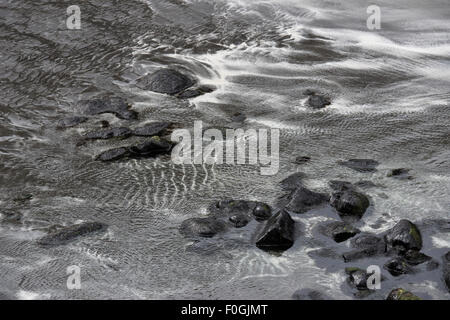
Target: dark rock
357	278
71	122
349	203
404	236
365	184
303	199
202	227
190	93
361	165
432	265
167	81
398	266
238	117
316	101
151	129
22	198
262	211
302	159
339	231
11	216
115	105
446	269
365	245
400	173
113	154
309	294
401	294
239	220
103	123
153	147
278	233
69	234
338	185
120	132
414	257
293	182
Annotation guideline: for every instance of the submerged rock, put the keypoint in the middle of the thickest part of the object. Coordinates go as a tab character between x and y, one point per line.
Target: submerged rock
404	236
339	231
310	294
317	101
151	129
155	146
293	182
71	122
398	266
168	81
69	234
401	294
349	203
446	269
278	233
239	220
202	227
115	105
339	185
365	184
414	257
400	173
228	207
121	132
113	154
365	245
302	159
303	199
361	165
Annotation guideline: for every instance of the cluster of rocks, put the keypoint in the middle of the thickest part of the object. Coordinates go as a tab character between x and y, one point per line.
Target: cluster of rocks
166	81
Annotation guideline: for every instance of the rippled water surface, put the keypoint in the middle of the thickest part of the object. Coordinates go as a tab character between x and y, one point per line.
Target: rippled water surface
390	102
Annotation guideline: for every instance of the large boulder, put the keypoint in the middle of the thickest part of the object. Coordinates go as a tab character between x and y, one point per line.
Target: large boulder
278	232
414	257
202	227
401	294
398	266
404	236
361	165
168	81
349	203
153	147
71	233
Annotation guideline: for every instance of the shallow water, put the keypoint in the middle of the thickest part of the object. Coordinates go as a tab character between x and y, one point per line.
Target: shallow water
389	90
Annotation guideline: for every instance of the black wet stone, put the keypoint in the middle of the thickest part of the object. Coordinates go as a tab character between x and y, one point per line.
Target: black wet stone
151	129
113	154
404	236
190	93
365	245
155	146
71	233
357	278
115	105
361	165
239	220
317	101
339	185
238	117
339	231
202	227
166	81
71	122
401	294
414	257
398	266
303	199
349	203
400	173
121	132
262	211
302	159
278	233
